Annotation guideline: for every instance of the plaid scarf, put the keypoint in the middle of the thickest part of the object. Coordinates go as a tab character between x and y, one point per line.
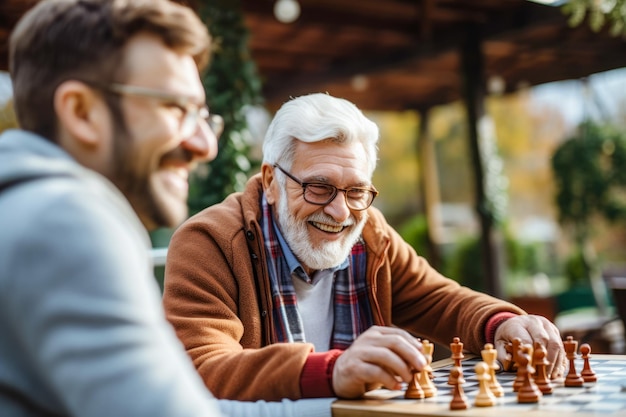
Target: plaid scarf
353	313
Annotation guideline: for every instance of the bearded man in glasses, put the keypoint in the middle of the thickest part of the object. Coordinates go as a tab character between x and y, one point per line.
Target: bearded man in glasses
113	117
297	287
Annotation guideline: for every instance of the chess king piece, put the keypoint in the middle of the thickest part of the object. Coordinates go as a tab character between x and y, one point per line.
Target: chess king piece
528	392
587	373
540	363
459	399
489	355
456	347
425	381
414	390
485	397
573	379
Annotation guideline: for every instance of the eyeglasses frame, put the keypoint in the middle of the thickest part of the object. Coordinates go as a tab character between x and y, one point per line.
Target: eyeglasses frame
190	118
373	192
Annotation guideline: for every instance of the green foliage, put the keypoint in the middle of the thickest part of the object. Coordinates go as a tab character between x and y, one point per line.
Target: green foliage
231	85
577	269
415	233
466	267
599	14
590	183
464	263
590	177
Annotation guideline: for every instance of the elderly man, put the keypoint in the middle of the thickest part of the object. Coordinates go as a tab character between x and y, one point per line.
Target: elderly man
297	287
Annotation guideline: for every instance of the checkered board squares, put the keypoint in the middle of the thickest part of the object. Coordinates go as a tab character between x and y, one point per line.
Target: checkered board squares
607	397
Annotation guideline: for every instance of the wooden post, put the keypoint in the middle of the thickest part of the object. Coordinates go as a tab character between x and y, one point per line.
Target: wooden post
474	96
427	162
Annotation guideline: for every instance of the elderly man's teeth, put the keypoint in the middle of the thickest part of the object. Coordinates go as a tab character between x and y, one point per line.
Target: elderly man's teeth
328	228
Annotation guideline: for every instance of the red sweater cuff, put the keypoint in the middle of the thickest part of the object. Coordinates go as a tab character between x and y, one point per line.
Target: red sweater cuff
317	375
493	323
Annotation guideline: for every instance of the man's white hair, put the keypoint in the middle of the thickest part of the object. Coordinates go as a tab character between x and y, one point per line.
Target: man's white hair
317	117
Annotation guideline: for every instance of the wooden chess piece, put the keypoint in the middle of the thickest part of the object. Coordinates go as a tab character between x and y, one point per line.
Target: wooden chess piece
519	378
425	381
489	355
540	363
414	390
485	397
510	364
573	379
528	392
459	399
587	373
456	347
508	361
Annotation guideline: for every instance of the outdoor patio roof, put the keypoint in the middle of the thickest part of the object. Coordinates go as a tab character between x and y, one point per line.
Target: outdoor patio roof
405	54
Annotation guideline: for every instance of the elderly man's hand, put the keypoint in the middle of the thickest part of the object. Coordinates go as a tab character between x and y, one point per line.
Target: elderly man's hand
380	356
530	329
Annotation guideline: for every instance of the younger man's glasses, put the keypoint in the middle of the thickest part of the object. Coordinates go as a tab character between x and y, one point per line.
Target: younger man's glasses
192	112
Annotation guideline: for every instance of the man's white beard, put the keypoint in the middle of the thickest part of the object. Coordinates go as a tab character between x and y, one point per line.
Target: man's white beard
328	254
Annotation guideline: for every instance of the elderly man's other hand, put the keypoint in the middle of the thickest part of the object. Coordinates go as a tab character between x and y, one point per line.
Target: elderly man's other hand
530	329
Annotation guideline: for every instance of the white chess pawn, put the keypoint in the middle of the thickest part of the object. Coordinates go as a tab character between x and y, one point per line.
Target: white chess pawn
485	397
489	355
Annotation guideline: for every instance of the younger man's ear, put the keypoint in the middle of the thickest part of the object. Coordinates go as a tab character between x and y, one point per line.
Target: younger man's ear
81	111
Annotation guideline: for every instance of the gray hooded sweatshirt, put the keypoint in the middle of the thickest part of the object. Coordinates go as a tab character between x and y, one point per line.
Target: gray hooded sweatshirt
82	330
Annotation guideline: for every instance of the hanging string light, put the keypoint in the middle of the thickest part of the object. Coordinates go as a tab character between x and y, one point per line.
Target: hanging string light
286	11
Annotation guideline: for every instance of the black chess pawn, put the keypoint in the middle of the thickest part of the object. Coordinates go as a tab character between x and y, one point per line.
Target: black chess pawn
528	392
459	399
414	390
587	373
540	363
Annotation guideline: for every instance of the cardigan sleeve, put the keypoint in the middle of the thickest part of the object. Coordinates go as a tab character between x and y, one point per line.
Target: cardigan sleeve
211	298
416	297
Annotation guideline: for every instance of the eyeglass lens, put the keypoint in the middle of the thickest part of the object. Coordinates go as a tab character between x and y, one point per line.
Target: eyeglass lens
321	194
193	116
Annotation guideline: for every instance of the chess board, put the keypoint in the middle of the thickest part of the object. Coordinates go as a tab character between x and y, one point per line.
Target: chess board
605	398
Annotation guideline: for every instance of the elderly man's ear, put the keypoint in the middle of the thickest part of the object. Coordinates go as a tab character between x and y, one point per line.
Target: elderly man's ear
269	183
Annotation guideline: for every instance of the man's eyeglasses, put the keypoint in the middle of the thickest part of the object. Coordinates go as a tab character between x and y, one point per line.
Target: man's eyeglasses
192	112
321	194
